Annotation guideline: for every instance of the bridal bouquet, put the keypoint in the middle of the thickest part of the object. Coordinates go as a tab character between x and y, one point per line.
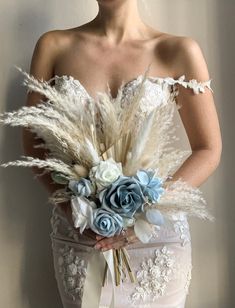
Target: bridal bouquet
115	162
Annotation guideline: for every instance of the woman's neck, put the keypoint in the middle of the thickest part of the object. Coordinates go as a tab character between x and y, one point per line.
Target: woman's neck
119	21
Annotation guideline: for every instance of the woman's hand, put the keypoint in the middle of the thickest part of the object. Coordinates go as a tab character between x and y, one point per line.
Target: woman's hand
103	243
117	241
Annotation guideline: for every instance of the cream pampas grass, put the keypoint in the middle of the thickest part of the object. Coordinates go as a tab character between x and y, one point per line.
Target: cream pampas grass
48	164
81	132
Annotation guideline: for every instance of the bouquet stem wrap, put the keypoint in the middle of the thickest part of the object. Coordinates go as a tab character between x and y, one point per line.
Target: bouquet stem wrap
94	278
99	266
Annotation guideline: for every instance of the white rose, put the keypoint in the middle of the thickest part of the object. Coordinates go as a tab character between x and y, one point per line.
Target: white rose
105	173
82	210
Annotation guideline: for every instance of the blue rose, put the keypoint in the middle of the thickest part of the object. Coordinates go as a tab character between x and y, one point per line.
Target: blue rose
151	186
124	196
106	223
82	187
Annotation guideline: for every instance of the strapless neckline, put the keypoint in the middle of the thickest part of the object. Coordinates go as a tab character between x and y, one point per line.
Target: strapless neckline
84	89
165	84
195	85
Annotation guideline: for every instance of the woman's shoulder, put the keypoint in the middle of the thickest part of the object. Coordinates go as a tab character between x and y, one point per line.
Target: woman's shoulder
54	41
174	45
55	37
181	53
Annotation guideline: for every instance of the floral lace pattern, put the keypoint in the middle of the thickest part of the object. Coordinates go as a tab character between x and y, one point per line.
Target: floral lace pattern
182	228
59	222
68	83
72	270
153	275
156	268
195	85
155	86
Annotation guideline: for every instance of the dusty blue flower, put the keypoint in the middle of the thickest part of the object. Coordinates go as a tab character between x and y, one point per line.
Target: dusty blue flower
82	187
124	196
106	223
151	186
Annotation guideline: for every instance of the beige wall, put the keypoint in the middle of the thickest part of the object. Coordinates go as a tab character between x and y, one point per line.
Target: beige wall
26	270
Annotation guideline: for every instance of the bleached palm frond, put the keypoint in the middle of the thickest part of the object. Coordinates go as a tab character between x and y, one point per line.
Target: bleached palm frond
138	148
92	152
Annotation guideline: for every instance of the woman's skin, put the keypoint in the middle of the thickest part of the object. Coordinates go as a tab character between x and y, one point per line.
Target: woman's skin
115	46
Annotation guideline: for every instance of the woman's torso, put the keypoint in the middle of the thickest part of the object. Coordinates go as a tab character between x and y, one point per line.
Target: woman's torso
94	63
89	58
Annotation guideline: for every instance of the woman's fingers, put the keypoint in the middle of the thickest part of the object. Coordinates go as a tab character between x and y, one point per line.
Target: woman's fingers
114	245
106	241
116	242
99	237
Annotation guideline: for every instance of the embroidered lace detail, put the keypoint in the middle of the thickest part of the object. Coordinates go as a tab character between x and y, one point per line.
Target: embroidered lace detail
196	86
67	84
154	275
59	223
182	228
72	270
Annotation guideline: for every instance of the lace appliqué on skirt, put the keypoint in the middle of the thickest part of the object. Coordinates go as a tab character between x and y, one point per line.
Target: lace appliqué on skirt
182	228
60	223
153	275
72	270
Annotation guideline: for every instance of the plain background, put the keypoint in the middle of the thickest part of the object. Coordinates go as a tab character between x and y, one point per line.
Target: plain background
26	268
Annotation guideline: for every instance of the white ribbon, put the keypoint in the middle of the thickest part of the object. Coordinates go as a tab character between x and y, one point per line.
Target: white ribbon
108	255
94	279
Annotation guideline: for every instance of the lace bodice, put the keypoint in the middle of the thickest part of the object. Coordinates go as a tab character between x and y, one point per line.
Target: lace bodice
158	90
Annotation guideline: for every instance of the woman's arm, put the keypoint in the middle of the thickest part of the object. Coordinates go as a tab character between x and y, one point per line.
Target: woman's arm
42	67
199	116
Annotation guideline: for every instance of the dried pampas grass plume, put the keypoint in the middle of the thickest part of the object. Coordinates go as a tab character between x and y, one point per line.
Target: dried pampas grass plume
79	138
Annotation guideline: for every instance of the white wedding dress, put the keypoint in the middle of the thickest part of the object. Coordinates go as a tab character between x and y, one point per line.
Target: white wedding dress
163	266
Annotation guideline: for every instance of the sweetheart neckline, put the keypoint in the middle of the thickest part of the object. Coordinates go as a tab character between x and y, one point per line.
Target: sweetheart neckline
139	77
194	84
197	86
125	85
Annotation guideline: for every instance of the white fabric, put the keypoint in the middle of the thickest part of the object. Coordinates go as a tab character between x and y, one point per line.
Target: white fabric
163	266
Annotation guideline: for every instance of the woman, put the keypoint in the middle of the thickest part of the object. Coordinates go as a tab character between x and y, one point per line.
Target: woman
115	46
